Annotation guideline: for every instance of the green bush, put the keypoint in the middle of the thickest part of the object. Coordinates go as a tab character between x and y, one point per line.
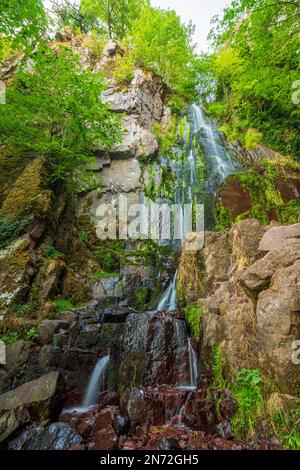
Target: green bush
124	69
10	338
32	334
62	305
52	253
247	392
193	315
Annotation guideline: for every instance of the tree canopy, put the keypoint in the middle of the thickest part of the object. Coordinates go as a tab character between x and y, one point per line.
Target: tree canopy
53	109
256	64
21	23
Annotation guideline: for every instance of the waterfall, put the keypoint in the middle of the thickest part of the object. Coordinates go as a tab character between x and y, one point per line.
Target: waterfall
96	383
193	365
206	139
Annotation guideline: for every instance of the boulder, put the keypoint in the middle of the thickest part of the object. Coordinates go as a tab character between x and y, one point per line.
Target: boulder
104	436
273	237
257	276
56	436
278	326
245	237
48	328
41	399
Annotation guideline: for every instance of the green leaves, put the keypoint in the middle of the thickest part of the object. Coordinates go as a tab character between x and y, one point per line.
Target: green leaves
21	22
55	110
113	17
163	44
256	63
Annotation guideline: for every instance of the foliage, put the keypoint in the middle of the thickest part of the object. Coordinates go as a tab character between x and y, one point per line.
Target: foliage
95	44
113	17
10	338
141	297
62	305
124	68
193	315
32	334
23	310
160	42
9	231
255	66
83	237
41	114
21	24
224	218
286	425
217	368
247	393
52	253
69	14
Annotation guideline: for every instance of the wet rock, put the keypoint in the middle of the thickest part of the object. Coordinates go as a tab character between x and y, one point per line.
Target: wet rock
88	336
227	405
41	399
104	436
234	197
273	237
121	424
167	444
48	328
151	353
5	381
57	436
109	398
223	429
11	420
20	442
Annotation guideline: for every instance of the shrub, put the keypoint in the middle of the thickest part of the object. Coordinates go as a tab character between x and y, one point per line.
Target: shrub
247	393
52	253
62	305
10	338
32	334
124	69
95	44
193	315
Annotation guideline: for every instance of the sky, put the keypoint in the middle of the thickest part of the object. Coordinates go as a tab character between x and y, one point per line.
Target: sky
199	11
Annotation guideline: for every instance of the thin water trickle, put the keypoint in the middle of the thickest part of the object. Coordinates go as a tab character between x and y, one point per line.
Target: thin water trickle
96	383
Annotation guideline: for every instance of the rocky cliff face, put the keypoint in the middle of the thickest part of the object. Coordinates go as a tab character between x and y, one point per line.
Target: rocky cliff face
248	286
56	255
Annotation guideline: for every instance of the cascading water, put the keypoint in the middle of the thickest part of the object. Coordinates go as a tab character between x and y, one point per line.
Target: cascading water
96	383
203	140
156	345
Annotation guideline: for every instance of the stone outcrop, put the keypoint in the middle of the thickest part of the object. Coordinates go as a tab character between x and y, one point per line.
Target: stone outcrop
39	399
252	314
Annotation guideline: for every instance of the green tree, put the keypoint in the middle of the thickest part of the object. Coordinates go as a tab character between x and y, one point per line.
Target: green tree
163	44
21	23
114	17
55	110
256	63
70	14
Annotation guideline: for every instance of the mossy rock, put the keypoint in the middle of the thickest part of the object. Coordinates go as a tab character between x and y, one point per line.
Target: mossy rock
28	195
141	297
12	164
16	270
75	289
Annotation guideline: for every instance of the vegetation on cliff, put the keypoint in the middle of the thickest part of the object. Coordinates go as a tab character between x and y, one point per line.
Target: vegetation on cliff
256	70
